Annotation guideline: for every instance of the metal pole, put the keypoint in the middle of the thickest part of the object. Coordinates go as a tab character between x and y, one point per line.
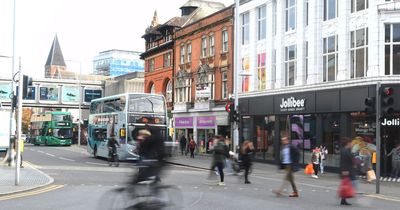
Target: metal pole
80	102
19	125
378	137
236	73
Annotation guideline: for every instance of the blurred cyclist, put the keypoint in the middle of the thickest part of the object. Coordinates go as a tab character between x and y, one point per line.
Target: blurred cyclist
151	151
112	145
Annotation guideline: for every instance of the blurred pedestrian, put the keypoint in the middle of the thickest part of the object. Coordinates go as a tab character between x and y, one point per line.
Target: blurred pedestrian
324	154
347	166
182	143
316	160
192	146
247	155
395	153
289	162
219	154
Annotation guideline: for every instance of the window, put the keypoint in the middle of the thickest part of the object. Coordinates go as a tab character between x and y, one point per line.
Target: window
189	52
358	5
203	47
306	61
330	9
330	58
290	65
245	32
167	59
392	49
211	85
224	88
168	91
182	54
224	41
261	71
274	18
212	45
290	12
359	53
151	64
261	22
183	90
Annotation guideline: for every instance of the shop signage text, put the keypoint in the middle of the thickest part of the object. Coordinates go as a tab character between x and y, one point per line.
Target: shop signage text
206	121
391	122
292	104
186	122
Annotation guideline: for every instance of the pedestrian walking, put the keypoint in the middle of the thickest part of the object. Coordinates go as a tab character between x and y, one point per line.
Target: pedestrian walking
395	153
219	154
316	160
324	154
289	162
347	166
192	146
247	156
182	143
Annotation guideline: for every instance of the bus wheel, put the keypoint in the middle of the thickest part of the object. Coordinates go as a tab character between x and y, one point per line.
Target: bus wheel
95	152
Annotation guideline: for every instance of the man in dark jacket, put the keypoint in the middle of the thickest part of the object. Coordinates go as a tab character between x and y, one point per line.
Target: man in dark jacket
289	162
183	143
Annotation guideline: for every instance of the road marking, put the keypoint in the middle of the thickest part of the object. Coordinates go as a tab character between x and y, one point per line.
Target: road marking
383	197
40	151
62	158
50	154
100	164
198	200
31	164
30	193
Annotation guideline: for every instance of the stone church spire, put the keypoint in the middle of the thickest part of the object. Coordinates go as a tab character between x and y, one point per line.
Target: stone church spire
154	22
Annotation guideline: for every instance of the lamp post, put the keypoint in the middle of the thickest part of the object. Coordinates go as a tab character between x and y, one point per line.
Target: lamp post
80	100
236	72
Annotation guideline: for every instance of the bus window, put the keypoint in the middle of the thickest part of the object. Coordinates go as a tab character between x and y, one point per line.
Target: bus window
100	134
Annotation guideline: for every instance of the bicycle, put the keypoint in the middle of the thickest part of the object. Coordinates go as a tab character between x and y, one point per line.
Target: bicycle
142	196
113	156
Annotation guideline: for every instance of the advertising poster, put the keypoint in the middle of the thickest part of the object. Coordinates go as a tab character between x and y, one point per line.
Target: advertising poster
246	70
49	93
70	94
30	94
261	71
91	94
5	91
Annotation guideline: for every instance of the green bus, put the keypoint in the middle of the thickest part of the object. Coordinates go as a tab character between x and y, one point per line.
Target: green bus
52	128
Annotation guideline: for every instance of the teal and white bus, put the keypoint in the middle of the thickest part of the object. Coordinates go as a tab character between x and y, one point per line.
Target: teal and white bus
123	116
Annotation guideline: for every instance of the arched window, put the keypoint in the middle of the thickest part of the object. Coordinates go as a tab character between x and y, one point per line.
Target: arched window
168	91
153	89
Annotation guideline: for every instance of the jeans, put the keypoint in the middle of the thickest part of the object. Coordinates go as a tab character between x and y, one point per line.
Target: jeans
322	166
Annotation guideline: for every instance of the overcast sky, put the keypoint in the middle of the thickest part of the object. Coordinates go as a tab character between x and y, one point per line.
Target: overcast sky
84	28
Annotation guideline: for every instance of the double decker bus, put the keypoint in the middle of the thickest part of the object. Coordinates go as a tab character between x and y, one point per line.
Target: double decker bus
51	128
123	116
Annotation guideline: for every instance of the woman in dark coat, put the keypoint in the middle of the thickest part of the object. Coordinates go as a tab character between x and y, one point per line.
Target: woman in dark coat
347	166
247	154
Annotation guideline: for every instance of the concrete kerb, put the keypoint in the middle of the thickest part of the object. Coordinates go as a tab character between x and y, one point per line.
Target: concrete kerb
50	180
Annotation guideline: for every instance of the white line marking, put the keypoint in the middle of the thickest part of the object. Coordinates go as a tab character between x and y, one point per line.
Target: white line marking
40	151
198	200
50	154
62	158
99	164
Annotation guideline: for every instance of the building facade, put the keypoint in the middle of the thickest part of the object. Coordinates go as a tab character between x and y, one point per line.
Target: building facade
307	68
117	63
203	77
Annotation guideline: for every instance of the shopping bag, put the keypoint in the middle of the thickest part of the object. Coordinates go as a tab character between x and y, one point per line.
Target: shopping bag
309	169
346	189
371	175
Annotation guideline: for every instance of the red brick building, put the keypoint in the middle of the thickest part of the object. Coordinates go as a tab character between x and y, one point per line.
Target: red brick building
159	50
203	76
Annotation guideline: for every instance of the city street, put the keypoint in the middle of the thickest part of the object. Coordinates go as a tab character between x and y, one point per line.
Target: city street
81	180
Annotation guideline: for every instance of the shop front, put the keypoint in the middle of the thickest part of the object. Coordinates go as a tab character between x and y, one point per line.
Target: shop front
311	119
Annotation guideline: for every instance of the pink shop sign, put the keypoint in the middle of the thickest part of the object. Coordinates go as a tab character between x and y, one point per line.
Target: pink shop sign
208	122
184	122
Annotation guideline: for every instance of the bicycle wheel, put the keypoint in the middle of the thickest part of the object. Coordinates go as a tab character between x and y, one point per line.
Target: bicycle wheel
115	199
170	195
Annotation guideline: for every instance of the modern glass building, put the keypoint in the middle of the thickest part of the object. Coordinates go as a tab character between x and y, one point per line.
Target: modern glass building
117	62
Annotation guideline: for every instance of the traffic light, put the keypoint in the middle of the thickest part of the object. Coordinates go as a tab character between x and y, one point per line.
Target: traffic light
387	101
27	81
232	112
369	104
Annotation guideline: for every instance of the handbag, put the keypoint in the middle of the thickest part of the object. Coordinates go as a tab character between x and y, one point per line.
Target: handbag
371	175
346	189
309	169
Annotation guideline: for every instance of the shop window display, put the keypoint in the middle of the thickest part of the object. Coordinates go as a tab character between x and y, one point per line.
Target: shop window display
331	138
264	134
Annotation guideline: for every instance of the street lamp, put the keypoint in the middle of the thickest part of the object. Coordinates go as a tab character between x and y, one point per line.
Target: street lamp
236	73
80	100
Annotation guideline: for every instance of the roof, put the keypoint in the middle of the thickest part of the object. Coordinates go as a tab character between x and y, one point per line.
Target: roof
55	57
202	3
